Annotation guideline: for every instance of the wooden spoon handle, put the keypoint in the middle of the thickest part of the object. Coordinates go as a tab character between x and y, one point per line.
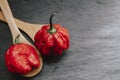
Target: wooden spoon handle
29	28
2	18
9	17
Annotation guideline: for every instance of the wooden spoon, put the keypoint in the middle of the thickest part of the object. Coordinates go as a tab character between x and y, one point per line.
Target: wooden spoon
15	32
29	28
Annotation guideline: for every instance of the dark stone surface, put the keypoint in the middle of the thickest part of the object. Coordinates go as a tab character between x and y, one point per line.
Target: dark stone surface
94	27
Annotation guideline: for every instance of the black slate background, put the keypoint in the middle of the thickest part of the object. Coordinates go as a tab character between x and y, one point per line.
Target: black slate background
94	27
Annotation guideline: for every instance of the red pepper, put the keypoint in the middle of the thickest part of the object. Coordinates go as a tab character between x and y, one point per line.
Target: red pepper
52	39
21	58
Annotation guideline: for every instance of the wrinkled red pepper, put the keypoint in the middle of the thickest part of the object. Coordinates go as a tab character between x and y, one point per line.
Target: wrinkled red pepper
21	58
52	39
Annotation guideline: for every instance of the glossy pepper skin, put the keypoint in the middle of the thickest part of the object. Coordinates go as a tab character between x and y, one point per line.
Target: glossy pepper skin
21	58
52	39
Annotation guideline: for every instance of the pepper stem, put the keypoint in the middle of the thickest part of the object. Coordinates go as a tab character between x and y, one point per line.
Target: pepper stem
17	39
52	28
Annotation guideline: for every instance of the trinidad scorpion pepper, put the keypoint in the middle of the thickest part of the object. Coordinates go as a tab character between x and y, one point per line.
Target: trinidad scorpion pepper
52	39
21	58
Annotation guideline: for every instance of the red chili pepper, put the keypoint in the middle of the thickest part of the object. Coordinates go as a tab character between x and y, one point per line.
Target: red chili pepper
52	39
21	58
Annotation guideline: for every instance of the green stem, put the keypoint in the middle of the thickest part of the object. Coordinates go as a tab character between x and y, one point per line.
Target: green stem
17	39
52	28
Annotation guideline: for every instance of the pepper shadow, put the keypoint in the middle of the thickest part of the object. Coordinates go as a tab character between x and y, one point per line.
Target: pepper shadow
54	59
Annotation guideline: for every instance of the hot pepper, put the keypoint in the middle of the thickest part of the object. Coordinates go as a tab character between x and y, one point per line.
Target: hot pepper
52	39
21	58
